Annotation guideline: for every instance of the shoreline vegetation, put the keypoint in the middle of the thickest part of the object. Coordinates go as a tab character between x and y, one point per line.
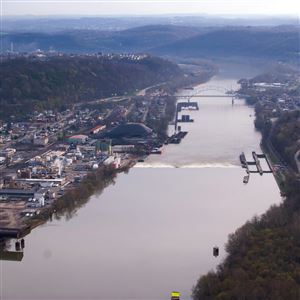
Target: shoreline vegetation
263	255
75	198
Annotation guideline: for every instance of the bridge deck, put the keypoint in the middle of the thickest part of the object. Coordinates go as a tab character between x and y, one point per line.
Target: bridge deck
205	96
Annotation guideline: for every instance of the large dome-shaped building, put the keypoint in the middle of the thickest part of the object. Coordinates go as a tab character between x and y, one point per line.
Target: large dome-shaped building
130	130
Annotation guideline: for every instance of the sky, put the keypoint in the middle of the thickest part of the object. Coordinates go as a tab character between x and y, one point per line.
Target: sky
148	7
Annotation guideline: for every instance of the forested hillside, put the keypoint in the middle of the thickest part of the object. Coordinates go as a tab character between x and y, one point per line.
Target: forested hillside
278	42
27	84
286	136
281	42
139	39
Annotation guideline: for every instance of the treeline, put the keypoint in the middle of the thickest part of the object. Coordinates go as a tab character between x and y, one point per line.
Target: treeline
67	205
263	261
56	83
285	136
284	133
252	42
160	126
276	73
262	120
95	182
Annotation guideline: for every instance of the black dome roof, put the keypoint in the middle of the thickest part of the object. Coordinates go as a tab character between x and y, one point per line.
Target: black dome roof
130	130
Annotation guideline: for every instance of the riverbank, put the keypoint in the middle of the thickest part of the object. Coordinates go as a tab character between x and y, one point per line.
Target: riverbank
263	253
76	197
274	96
67	205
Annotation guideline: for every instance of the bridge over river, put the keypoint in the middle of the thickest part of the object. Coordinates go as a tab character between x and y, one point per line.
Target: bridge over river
216	91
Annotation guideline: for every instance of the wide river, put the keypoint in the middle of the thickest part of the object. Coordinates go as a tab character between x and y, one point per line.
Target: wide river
153	231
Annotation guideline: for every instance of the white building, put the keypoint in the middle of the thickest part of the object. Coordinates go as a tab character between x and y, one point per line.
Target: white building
40	140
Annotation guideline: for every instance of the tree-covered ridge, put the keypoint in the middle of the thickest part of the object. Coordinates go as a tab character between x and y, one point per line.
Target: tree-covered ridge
27	84
270	43
267	42
263	261
286	136
139	39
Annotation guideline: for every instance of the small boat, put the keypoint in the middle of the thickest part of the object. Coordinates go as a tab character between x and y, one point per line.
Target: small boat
243	160
156	151
142	158
215	251
246	179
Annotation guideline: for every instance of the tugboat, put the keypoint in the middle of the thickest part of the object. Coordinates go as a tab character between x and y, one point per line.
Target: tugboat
215	251
246	179
243	159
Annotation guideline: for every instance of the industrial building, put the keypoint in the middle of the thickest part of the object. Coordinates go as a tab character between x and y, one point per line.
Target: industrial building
40	140
78	139
97	129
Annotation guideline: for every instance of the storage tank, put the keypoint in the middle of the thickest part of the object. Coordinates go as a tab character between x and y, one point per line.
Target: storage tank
95	166
68	161
42	201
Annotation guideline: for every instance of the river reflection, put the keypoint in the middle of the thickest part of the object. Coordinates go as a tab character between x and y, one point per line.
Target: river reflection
154	230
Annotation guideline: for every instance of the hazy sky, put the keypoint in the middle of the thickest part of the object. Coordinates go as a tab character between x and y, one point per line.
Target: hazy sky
121	7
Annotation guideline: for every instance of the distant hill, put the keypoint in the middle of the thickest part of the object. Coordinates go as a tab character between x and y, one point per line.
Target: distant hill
138	39
27	85
105	23
146	37
278	42
281	42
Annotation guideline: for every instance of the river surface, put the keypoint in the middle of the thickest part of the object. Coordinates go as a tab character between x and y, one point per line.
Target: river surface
153	230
